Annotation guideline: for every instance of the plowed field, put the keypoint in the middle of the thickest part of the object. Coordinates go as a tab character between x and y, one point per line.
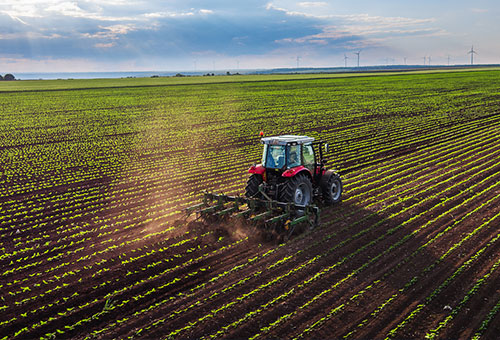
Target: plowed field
94	178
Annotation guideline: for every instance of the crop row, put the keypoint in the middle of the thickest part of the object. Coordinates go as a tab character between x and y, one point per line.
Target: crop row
484	180
93	183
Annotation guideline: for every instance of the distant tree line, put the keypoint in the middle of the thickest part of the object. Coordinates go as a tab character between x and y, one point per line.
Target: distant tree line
8	76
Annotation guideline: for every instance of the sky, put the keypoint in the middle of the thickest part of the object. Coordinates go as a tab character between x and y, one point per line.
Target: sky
197	35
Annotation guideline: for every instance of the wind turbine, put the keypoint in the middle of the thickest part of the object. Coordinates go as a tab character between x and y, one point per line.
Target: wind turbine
298	59
425	58
357	53
471	52
405	60
345	60
429	60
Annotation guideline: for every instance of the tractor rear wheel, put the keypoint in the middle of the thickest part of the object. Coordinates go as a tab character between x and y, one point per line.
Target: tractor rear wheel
297	190
252	188
332	191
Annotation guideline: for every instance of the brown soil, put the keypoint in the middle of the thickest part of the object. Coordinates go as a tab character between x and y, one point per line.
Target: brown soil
120	270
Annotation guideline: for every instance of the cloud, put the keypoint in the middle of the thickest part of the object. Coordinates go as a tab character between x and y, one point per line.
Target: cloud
105	45
28	35
354	27
366	25
67	9
270	6
206	11
384	21
110	32
160	15
309	4
17	63
355	30
126	31
26	9
105	10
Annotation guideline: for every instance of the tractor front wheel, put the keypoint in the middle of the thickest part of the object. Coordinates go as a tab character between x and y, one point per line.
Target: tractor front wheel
297	190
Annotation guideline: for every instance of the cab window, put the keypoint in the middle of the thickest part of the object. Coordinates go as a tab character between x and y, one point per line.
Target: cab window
293	156
308	154
275	156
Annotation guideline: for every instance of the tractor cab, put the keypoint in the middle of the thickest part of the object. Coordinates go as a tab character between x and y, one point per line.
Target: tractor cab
290	154
287	152
292	170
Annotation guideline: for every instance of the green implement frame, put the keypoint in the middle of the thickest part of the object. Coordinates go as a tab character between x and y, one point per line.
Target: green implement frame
280	216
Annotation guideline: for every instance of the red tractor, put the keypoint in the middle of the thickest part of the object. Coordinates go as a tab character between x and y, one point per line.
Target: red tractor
280	191
293	170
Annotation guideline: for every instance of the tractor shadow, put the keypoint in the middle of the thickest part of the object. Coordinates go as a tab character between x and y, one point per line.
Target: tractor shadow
388	244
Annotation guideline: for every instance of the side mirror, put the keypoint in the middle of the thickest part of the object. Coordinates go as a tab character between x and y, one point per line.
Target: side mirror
326	147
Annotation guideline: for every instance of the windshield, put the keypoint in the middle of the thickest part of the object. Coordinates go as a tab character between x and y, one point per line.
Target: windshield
275	156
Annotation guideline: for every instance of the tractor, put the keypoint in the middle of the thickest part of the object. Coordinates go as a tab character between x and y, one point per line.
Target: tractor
293	170
282	189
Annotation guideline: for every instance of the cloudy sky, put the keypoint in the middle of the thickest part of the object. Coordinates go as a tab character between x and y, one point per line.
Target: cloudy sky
127	35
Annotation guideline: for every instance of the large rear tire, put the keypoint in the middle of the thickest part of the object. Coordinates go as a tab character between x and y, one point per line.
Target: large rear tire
297	190
252	188
332	191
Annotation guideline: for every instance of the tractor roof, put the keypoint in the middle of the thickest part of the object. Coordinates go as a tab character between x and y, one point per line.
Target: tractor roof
287	139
